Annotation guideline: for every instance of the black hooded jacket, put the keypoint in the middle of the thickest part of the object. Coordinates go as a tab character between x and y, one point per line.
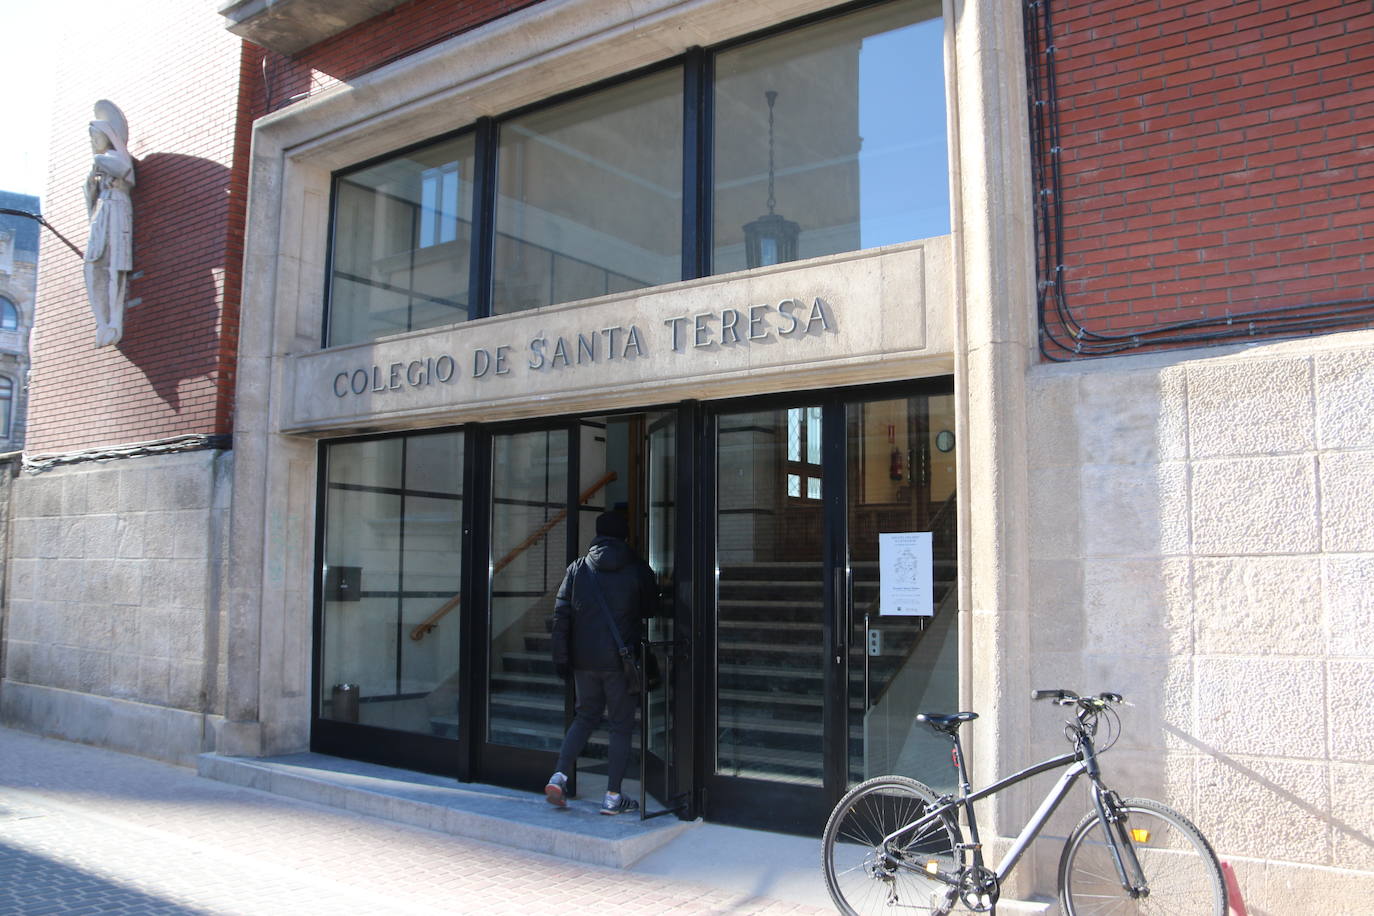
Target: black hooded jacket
581	637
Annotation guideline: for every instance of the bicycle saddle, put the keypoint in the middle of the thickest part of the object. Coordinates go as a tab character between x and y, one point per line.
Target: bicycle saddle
946	723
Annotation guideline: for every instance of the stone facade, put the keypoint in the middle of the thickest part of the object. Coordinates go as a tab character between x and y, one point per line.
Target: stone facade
1200	531
114	624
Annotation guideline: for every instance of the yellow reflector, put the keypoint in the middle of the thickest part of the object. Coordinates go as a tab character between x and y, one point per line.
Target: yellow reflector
1140	834
933	867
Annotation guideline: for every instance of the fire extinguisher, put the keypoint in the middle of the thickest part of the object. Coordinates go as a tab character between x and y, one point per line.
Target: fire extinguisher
895	469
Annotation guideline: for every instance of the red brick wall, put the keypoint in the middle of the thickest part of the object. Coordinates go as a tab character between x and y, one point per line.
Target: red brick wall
1218	157
174	71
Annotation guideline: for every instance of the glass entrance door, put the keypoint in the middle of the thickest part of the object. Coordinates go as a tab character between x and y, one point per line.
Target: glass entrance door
767	757
834	601
547	485
901	525
523	708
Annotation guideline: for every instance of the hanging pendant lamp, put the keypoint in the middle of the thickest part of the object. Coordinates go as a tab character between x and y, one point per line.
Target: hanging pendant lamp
770	239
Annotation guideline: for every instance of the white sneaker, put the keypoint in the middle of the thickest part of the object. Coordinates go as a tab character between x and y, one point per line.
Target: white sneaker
556	792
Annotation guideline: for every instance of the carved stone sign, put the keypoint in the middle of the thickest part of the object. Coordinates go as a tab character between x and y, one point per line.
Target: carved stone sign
842	320
587	349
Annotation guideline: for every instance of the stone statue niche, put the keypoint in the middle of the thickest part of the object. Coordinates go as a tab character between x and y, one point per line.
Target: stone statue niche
110	244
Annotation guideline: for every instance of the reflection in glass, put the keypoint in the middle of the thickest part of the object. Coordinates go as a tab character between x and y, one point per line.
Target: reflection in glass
401	244
590	196
900	482
529	555
769	653
393	537
860	155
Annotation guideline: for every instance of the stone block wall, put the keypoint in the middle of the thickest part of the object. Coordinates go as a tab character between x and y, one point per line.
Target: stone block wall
114	627
1202	540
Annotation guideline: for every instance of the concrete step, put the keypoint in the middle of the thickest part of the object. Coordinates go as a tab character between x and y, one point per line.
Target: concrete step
523	820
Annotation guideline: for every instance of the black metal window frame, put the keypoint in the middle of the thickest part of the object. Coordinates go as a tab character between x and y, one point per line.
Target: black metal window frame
698	151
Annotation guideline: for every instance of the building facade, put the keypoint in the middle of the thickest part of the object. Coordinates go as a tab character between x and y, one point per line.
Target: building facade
18	284
934	351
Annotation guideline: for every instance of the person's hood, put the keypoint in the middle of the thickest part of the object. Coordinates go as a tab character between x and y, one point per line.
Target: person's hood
607	554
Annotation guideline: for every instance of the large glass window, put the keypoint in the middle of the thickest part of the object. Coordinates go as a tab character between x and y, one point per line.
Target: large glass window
826	138
402	232
529	555
393	536
9	315
831	138
590	196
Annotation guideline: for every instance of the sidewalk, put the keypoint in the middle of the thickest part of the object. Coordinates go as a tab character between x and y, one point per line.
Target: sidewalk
84	830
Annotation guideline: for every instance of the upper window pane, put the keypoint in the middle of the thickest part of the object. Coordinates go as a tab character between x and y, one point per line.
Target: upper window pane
6	405
401	231
590	196
859	154
9	315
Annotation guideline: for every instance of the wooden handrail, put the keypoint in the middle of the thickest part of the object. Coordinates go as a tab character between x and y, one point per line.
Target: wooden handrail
423	628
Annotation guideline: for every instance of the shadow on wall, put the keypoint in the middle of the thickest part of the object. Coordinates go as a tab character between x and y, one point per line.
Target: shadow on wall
1251	775
181	204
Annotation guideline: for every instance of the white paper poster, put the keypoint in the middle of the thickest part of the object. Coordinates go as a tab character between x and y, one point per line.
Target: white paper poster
907	572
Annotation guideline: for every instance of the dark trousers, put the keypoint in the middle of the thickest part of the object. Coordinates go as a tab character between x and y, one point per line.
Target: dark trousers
598	690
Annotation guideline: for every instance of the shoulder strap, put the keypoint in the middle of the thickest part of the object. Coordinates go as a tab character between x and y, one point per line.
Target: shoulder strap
601	600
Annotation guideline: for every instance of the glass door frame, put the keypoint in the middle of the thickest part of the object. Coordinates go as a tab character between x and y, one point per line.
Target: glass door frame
469	757
527	768
741	800
374	744
500	764
760	803
691	776
673	781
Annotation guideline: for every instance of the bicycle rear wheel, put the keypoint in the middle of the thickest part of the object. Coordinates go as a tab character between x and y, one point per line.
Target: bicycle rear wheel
862	878
1180	868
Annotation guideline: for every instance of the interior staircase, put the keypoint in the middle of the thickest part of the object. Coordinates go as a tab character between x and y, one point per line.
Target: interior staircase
770	674
770	671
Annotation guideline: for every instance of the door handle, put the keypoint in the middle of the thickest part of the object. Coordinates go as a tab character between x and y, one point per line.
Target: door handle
841	612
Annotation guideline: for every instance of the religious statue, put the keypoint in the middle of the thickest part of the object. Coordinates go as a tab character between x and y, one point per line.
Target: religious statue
110	245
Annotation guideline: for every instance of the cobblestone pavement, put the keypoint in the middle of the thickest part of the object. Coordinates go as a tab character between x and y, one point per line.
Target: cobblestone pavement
84	830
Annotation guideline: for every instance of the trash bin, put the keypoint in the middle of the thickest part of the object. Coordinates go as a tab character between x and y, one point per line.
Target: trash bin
345	703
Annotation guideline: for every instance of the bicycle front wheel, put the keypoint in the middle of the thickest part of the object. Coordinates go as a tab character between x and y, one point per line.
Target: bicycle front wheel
862	876
1180	868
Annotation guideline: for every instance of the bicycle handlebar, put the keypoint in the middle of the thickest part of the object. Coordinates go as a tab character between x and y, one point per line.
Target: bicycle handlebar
1063	697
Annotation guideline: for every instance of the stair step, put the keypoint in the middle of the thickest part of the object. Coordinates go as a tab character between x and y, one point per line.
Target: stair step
729	696
731	671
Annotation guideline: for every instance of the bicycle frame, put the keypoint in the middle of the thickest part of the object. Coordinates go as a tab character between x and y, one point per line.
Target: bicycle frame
1080	762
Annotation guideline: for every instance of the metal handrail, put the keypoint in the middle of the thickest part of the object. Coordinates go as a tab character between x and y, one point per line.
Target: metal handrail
423	628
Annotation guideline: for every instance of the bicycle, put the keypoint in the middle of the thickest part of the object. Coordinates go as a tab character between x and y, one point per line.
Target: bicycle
892	844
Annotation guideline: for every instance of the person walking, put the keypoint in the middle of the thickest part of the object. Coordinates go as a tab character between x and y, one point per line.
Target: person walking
611	581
